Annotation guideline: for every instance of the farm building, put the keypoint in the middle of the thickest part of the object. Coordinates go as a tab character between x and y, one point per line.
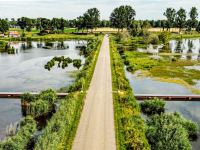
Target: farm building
1	35
13	34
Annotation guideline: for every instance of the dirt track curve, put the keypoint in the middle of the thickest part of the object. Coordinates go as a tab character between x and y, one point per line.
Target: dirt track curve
96	129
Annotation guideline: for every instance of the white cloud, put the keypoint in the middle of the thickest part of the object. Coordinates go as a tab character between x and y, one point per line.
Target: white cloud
145	9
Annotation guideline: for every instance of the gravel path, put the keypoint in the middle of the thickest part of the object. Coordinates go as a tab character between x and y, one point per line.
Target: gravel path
96	129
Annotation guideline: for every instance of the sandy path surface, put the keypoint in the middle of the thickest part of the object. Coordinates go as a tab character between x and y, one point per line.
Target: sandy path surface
96	129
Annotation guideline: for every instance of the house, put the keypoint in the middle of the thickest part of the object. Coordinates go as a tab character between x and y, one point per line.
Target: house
47	31
13	34
2	35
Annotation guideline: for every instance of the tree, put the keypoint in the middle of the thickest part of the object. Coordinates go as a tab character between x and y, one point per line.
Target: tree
4	25
181	19
29	24
158	23
54	24
146	24
163	24
170	14
193	18
152	22
145	34
39	23
46	23
80	23
121	17
94	15
134	28
13	22
129	15
104	23
22	22
62	23
198	28
87	21
164	37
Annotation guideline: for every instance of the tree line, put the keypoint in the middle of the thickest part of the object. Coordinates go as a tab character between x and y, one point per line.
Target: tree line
121	17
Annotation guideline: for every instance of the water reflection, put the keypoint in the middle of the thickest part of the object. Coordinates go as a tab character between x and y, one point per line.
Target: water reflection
11	112
24	71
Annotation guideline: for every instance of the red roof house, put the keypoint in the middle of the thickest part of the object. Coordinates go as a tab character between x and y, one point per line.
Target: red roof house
13	34
47	31
1	35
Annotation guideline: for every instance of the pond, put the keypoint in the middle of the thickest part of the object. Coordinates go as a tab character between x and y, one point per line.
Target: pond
24	71
186	49
189	111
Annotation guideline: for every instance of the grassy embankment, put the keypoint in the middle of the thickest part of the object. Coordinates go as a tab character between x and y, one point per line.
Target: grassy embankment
60	131
129	125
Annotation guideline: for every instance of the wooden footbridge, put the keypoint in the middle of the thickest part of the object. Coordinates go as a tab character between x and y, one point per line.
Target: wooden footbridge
167	97
18	94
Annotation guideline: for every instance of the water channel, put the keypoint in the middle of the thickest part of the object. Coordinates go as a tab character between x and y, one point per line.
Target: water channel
23	71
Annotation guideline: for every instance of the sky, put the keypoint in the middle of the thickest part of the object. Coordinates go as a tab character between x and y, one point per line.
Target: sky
71	9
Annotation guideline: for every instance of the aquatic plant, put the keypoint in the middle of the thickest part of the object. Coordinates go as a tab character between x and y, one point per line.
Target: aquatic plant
153	106
24	135
169	131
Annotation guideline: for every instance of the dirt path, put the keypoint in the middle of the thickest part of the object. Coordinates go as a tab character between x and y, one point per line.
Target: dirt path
96	128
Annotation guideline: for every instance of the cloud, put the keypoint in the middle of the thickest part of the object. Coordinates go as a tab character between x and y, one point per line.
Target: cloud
145	9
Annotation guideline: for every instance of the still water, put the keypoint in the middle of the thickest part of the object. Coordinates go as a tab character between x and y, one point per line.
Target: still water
190	50
24	71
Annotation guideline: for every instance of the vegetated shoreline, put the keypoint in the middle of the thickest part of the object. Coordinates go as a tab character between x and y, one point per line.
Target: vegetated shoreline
129	125
70	109
64	122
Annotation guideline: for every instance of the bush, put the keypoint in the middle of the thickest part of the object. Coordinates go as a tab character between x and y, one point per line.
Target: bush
169	131
25	134
153	106
174	59
27	97
153	39
96	34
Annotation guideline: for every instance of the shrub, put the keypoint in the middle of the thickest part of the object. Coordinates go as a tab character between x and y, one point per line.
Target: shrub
96	34
169	131
25	134
27	97
153	39
153	106
174	59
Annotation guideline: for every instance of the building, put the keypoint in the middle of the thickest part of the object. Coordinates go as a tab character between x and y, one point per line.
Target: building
47	31
13	34
2	35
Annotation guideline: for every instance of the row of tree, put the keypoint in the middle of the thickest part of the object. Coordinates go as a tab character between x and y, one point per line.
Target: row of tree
179	17
121	17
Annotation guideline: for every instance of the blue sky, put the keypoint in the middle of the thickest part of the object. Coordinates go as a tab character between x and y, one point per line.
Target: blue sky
145	9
